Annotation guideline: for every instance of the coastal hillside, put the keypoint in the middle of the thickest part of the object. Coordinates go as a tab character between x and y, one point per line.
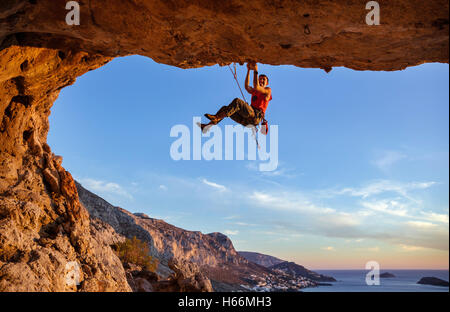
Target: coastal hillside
213	254
287	267
261	259
294	269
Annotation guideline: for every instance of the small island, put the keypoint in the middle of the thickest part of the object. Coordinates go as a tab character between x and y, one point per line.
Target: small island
433	281
387	275
324	284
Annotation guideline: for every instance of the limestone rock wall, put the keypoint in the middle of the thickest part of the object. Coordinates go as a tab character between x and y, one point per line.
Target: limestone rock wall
43	227
166	241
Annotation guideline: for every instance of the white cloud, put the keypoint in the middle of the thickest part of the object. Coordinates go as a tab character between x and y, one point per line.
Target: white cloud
214	185
411	248
419	234
382	186
340	219
422	219
232	217
312	218
282	171
308	214
391	207
104	187
358	240
285	233
163	187
435	217
370	249
287	201
231	232
328	248
421	224
252	166
387	159
312	212
244	224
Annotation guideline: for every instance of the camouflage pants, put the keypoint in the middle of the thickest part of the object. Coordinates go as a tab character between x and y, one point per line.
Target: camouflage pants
242	113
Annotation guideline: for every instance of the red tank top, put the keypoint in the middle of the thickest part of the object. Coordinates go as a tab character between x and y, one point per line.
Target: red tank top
259	100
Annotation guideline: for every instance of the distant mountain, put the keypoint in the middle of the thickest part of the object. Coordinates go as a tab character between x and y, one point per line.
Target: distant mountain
298	270
291	268
261	259
213	253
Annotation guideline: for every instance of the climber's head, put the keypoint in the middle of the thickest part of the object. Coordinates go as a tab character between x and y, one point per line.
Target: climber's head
263	80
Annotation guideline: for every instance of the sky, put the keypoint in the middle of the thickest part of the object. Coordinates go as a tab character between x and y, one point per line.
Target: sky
363	159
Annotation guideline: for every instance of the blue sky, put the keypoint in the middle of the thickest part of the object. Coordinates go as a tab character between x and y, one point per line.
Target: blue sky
363	159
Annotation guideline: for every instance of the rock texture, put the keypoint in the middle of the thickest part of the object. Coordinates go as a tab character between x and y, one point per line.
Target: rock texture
139	279
42	224
187	277
165	240
44	230
188	33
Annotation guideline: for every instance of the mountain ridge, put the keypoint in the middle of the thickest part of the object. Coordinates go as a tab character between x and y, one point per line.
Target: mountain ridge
259	258
288	267
295	269
213	253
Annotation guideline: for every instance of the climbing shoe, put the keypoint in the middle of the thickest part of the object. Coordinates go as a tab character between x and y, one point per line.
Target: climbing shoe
205	127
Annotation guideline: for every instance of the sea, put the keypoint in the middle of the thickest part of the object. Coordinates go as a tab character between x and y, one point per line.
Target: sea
404	281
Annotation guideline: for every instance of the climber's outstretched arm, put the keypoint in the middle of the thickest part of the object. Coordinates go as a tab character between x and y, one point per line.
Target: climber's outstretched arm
247	81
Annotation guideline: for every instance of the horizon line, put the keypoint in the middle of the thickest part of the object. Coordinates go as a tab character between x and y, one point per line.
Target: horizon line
392	269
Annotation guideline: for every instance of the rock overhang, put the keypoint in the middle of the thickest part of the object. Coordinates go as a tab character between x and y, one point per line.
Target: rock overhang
320	34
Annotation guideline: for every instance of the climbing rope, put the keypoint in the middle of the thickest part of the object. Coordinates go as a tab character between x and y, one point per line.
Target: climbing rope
235	78
254	132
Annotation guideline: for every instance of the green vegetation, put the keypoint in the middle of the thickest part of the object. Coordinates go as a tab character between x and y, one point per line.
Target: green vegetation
137	252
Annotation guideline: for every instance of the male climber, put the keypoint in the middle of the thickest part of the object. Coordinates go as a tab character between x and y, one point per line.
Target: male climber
240	111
